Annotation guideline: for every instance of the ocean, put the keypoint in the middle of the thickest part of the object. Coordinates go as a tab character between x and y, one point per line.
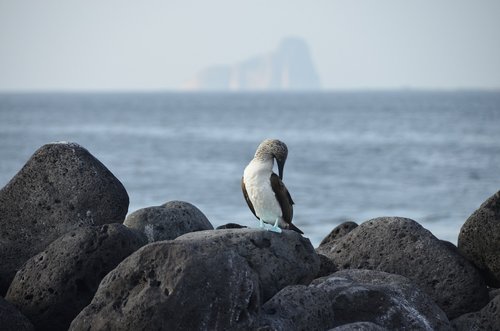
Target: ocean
430	156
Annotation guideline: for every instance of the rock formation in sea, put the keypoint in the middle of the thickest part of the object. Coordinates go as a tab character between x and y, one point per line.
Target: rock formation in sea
289	67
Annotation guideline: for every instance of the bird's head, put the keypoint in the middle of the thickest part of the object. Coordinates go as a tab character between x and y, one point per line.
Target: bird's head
273	148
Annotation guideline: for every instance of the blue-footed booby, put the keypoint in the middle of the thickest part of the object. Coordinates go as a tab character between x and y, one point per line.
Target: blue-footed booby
266	195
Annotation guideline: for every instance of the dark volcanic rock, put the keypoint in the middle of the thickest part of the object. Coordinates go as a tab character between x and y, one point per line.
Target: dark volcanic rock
359	326
167	286
279	259
55	285
450	245
391	301
326	267
209	280
493	292
402	246
338	232
168	221
231	226
487	318
479	239
60	188
298	307
11	319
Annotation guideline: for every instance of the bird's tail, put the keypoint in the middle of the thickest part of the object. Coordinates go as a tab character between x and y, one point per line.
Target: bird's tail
294	228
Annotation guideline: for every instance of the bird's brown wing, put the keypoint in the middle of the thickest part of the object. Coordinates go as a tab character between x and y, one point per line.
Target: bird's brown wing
285	201
247	199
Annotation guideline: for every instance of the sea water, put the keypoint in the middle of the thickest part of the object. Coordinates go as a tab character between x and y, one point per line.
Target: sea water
430	156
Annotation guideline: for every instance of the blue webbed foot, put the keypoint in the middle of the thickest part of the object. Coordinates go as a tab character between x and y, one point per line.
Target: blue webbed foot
262	225
275	229
269	227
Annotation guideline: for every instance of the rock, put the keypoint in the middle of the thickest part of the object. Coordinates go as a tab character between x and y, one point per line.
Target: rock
11	319
298	307
54	286
402	246
326	267
168	221
168	286
390	301
279	259
61	187
479	239
231	226
338	232
493	292
487	318
208	280
359	326
291	59
470	322
449	245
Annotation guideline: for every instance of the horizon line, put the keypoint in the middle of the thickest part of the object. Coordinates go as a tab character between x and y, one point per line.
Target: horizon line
253	91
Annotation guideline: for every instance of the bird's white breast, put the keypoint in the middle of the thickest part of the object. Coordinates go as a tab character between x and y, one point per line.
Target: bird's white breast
258	185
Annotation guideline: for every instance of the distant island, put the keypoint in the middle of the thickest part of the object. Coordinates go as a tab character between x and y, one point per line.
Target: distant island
289	67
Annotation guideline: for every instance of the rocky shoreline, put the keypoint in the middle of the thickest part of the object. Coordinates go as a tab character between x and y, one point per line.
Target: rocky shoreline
69	259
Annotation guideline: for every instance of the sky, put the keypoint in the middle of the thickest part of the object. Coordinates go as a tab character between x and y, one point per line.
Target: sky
160	44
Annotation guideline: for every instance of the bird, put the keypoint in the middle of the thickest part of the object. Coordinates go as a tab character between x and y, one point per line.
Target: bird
264	191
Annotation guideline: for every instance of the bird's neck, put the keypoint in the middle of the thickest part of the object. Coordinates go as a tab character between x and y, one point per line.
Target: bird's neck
259	166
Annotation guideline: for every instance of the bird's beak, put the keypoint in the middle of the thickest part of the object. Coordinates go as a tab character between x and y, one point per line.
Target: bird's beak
281	165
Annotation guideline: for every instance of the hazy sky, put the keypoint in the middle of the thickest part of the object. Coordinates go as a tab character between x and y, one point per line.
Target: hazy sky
149	44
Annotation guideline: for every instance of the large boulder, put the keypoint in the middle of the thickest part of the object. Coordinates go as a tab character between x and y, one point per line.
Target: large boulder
479	239
327	266
11	319
402	246
487	318
61	187
338	232
168	221
55	285
168	286
391	302
279	259
208	280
